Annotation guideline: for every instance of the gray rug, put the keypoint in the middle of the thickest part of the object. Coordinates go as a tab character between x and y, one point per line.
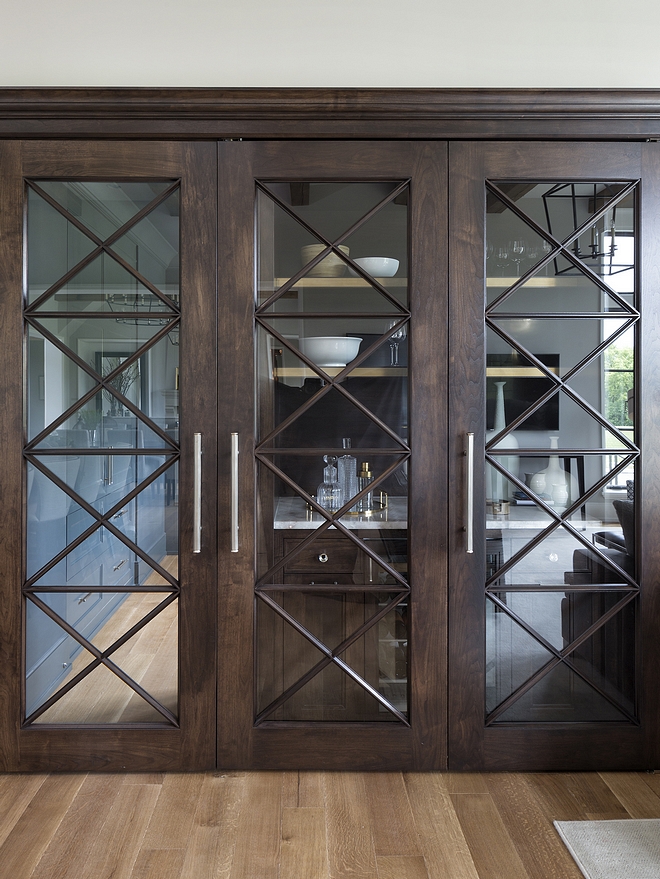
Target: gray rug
614	849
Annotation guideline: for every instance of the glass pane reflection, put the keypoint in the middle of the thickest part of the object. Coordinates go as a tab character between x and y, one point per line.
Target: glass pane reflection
576	313
605	659
384	504
103	206
379	557
327	440
560	558
56	520
106	448
151	247
286	246
54	245
148	382
104	285
103	422
332	207
101	618
379	657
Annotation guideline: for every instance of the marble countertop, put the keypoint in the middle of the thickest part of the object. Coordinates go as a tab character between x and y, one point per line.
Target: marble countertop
532	517
292	512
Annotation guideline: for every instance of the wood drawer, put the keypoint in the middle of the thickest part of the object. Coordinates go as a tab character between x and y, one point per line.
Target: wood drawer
319	578
322	556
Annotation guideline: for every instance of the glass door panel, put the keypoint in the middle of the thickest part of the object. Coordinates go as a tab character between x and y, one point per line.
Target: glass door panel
561	321
332	451
103	523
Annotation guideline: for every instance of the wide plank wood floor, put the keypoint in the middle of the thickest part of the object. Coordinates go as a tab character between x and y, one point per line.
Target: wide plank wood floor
307	825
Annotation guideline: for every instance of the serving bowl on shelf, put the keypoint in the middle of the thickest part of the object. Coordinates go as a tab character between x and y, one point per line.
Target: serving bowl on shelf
332	266
377	266
330	350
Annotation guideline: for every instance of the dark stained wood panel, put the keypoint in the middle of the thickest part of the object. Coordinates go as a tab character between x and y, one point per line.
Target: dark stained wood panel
330	113
542	745
11	463
192	744
649	390
429	511
324	745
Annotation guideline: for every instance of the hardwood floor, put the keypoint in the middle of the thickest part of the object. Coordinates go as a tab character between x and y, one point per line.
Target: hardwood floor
149	658
305	825
288	825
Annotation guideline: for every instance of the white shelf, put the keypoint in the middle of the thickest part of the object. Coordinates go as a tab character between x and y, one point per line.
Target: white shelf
311	283
332	371
540	281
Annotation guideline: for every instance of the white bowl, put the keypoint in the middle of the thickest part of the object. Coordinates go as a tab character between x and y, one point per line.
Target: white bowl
332	266
377	266
330	350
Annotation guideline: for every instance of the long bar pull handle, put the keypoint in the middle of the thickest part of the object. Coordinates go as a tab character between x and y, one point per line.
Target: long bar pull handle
469	513
197	493
234	492
109	468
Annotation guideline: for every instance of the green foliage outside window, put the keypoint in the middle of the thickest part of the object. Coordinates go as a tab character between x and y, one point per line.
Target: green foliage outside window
619	364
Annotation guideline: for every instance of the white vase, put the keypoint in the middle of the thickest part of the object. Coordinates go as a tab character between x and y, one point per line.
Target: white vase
497	486
554	482
560	493
555	476
538	483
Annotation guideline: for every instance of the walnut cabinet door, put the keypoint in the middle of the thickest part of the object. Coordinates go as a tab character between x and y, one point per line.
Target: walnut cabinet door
332	349
554	561
109	542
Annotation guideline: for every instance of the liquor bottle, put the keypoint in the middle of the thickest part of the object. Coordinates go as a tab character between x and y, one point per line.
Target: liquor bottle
328	494
365	478
347	470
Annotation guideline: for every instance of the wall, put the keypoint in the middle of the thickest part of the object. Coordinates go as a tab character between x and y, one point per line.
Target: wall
347	43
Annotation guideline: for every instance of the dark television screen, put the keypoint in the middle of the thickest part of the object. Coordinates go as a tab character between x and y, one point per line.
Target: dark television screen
525	384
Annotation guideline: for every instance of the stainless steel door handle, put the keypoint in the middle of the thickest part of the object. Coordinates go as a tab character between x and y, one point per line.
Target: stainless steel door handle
197	492
469	506
109	469
234	492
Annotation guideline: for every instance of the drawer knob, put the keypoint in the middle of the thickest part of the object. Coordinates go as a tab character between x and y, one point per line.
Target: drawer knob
323	557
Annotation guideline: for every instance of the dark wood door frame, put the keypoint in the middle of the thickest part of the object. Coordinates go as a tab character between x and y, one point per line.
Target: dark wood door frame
339	746
114	747
523	746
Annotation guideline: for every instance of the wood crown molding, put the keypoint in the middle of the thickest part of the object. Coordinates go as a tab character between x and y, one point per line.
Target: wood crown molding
334	113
